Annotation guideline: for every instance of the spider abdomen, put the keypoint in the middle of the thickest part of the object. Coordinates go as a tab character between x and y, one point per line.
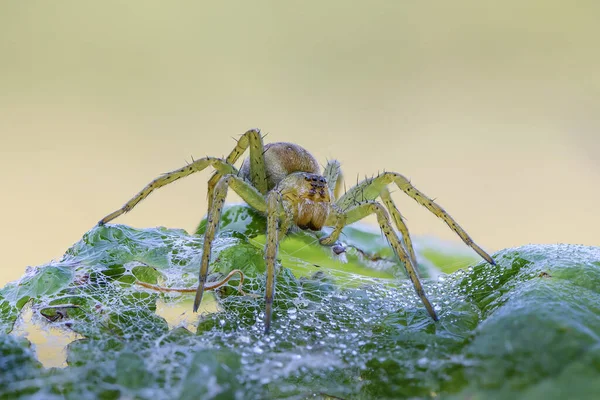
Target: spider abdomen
281	160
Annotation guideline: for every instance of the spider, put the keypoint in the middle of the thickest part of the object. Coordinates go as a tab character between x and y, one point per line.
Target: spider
283	181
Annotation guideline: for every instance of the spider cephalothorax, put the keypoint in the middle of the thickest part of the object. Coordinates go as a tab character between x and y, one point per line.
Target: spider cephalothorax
283	181
307	195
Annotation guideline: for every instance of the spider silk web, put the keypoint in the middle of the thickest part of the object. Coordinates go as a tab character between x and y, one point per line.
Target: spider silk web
340	329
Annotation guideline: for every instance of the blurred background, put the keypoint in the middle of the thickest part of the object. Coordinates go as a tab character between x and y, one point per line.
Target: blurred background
490	107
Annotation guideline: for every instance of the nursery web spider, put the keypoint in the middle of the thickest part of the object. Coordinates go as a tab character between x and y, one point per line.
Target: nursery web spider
283	181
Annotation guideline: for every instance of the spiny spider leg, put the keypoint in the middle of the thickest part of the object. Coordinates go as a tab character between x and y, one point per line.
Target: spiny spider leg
252	139
360	211
371	188
333	173
337	219
170	177
386	197
334	176
273	201
287	219
274	236
249	194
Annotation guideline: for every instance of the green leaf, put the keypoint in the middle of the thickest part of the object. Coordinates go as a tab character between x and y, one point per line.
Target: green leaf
238	219
42	282
18	364
528	327
146	274
8	314
220	367
131	371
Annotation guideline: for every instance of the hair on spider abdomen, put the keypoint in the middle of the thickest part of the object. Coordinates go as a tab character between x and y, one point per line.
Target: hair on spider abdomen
282	159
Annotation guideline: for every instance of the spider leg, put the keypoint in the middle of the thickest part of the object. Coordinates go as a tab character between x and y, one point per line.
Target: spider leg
274	235
334	176
340	218
333	173
249	194
286	220
220	165
258	176
399	222
273	200
339	222
371	188
337	219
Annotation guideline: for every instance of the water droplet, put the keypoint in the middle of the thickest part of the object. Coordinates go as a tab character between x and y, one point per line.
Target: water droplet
244	339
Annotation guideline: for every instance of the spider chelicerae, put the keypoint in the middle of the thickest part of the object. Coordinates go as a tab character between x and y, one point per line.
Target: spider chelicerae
283	181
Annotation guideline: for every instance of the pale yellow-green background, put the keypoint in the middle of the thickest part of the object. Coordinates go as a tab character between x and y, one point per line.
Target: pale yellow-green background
491	107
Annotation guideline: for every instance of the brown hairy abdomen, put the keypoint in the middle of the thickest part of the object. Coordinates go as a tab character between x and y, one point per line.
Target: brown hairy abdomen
282	159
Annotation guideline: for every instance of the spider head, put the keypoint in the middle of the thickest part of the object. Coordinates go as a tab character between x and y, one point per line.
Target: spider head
308	195
315	188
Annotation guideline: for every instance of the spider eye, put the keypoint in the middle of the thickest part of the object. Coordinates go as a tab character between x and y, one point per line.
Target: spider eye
323	180
314	178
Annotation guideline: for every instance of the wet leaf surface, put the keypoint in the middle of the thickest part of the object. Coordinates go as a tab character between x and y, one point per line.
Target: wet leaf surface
528	327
